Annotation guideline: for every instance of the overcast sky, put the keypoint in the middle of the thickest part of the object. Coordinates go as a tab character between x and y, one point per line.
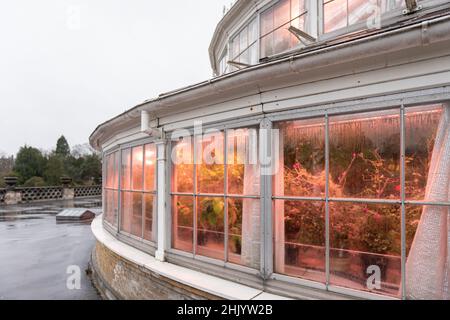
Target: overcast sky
68	65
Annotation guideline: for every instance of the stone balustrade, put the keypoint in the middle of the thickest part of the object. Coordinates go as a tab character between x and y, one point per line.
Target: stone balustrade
2	196
14	195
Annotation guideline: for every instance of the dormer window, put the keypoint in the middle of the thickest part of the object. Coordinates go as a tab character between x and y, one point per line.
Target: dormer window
275	24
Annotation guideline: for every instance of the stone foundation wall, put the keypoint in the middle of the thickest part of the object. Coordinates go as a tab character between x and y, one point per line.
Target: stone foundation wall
117	278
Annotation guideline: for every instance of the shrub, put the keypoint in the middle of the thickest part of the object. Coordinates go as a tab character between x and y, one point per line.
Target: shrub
34	182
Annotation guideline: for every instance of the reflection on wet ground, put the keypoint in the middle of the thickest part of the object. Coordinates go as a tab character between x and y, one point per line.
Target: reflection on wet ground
36	251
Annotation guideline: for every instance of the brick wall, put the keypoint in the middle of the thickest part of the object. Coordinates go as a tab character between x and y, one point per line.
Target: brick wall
118	278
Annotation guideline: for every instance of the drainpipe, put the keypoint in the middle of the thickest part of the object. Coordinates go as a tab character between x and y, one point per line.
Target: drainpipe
145	121
160	254
145	125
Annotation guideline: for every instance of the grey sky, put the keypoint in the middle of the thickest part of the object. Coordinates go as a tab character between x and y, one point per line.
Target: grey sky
60	77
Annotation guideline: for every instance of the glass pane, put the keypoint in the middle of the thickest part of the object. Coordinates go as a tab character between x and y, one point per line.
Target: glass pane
427	241
109	206
243	168
302	165
150	164
126	212
365	155
282	39
126	169
299	23
136	223
235	48
223	65
252	32
138	167
183	223
116	170
299	247
183	167
253	53
360	10
267	22
210	228
388	5
243	43
210	173
115	208
282	13
244	221
365	240
298	20
335	15
110	166
267	46
297	8
421	128
149	218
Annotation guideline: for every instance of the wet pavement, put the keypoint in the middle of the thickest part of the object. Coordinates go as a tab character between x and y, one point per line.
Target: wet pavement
36	252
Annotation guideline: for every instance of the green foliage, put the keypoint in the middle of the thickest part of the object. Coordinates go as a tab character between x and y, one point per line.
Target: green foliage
35	182
212	214
91	168
305	223
33	168
30	162
62	147
54	169
184	210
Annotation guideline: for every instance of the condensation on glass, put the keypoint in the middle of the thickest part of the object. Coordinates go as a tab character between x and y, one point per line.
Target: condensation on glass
364	194
215	203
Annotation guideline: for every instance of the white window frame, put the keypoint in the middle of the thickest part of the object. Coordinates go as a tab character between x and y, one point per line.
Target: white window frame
137	242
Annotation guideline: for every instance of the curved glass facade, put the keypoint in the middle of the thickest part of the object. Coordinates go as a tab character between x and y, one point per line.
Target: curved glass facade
349	194
132	208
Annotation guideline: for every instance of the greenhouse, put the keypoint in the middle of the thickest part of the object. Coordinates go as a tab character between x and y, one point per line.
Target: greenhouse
313	165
